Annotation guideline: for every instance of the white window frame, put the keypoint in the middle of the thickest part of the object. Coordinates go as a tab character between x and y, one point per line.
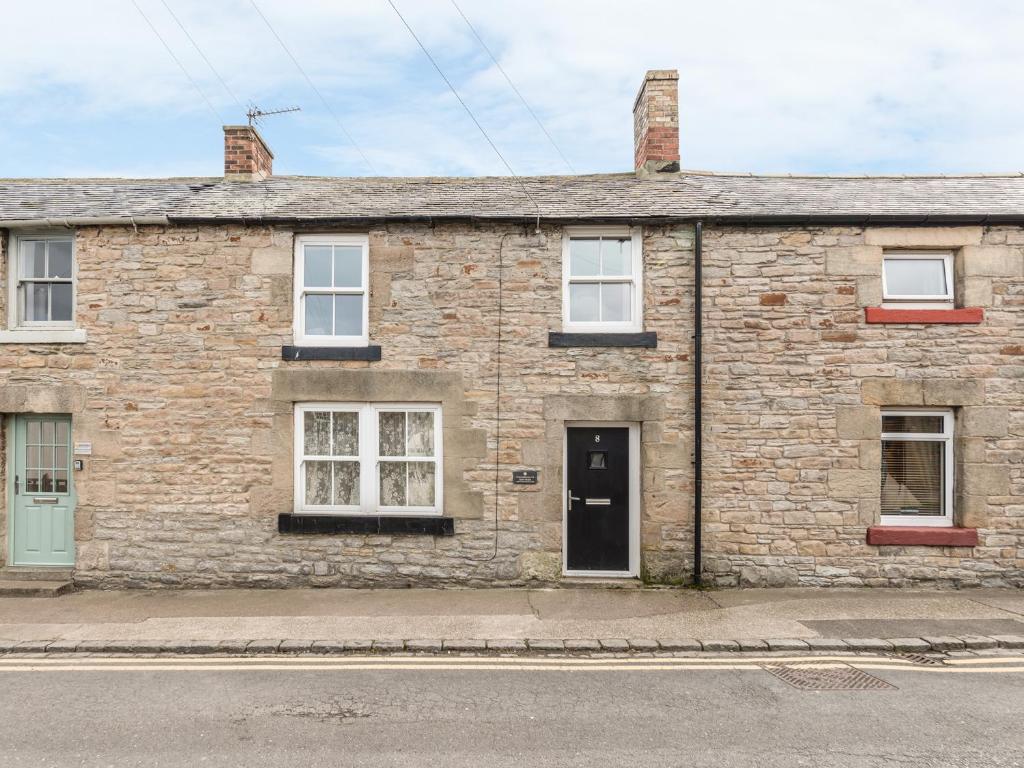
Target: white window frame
945	437
21	331
635	279
369	461
300	292
939	301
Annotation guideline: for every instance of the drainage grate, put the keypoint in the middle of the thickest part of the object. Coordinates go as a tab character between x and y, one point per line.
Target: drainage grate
827	678
920	658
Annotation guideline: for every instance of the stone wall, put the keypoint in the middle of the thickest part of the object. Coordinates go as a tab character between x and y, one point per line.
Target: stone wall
795	382
192	441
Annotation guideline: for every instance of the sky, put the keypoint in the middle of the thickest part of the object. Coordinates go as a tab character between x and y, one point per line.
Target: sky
787	86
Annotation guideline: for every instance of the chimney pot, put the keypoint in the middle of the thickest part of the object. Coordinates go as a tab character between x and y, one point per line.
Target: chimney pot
246	155
656	123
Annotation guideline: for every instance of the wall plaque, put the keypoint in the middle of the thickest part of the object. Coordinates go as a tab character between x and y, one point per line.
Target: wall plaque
524	477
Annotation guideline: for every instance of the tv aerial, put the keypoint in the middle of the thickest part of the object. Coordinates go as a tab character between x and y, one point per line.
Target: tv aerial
255	114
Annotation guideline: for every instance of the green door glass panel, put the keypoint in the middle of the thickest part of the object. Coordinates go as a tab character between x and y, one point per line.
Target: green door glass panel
43	492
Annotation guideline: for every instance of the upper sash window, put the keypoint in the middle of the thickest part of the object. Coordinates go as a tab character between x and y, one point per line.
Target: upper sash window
602	280
331	296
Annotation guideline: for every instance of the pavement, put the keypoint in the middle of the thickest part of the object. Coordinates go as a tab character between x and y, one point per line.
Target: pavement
513	620
859	712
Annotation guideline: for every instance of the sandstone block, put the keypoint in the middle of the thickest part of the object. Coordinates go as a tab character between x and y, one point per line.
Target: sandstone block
923	237
853	483
854	260
890	392
949	392
988	421
858	422
991	261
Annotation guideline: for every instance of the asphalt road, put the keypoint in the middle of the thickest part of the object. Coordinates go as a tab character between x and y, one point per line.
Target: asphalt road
452	716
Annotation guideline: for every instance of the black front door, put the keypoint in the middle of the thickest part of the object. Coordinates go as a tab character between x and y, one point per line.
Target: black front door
597	507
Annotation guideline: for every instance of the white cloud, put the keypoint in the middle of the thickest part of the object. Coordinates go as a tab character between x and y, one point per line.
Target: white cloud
867	86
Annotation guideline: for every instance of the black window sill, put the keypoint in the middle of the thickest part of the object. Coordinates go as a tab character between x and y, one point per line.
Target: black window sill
648	339
379	524
371	352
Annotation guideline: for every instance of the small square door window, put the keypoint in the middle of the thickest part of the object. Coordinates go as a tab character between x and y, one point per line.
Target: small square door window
597	459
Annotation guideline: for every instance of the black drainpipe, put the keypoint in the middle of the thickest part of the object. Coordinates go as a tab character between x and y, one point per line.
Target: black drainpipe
698	395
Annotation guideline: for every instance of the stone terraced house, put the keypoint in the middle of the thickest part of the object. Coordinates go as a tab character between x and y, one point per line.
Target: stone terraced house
263	380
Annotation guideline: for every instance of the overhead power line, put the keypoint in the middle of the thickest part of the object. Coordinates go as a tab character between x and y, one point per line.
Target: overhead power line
513	87
466	107
203	55
178	62
309	82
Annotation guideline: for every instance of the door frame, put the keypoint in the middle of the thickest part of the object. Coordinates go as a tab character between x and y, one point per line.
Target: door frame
10	441
634	499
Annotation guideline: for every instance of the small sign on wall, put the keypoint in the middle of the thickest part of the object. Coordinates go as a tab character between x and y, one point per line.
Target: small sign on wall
83	449
524	477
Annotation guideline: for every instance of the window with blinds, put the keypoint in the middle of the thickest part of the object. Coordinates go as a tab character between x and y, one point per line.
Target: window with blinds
916	468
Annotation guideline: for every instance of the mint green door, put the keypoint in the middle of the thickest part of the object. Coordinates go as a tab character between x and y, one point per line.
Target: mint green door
43	492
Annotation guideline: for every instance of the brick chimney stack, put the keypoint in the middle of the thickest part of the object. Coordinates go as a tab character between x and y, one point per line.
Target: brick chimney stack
246	155
656	123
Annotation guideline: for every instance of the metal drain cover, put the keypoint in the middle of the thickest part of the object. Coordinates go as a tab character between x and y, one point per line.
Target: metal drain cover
832	677
920	658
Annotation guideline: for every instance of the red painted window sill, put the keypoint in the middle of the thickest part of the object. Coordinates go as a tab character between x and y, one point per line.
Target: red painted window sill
922	536
963	316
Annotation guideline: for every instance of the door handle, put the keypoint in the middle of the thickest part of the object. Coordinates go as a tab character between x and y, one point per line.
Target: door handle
572	499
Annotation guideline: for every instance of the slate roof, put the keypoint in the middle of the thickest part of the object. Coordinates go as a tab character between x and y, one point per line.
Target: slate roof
600	197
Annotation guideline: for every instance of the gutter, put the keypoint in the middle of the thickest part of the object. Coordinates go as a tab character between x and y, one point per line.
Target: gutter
86	221
698	395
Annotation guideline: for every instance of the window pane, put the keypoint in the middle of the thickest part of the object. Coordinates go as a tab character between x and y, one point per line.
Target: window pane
60	457
32	456
37	297
346	433
348	266
583	302
318	482
33	259
316	267
318	315
615	257
48	433
60	481
60	301
33	432
392	433
46	481
583	257
60	258
62	433
392	484
421	484
421	433
348	315
915	277
925	424
32	481
316	431
615	304
912	478
346	483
